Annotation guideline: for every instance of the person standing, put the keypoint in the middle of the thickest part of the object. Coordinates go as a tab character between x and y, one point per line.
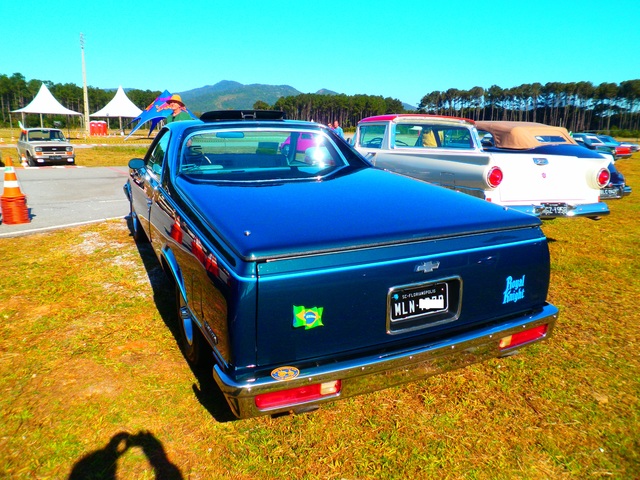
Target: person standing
179	111
337	129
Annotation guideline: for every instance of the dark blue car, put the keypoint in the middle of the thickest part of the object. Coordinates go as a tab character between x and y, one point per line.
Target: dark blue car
308	275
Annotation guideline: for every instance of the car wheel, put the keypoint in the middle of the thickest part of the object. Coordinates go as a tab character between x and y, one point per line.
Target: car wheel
194	347
30	161
138	234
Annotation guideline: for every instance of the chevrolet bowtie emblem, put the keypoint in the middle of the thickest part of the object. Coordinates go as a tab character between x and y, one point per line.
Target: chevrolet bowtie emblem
426	267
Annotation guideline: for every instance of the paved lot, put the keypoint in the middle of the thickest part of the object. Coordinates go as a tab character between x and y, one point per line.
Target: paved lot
61	197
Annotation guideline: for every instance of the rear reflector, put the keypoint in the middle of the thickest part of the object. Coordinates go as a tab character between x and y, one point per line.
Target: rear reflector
523	337
294	396
603	177
494	177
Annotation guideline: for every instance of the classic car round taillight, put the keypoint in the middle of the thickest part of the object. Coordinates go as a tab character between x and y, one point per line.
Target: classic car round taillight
494	177
603	177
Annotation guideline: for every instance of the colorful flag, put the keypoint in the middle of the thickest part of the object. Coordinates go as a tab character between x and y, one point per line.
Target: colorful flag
307	317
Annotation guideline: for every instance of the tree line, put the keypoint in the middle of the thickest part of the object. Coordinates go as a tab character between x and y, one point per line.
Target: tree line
347	109
16	92
577	106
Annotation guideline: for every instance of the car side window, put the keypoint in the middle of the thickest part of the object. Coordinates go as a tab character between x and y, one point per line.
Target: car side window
371	136
433	136
156	157
456	137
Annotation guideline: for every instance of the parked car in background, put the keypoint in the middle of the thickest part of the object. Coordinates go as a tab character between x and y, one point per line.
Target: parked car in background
45	146
447	151
545	139
633	147
307	277
594	142
617	186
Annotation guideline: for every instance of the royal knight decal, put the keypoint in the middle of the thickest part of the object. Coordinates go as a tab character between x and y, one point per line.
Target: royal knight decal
514	290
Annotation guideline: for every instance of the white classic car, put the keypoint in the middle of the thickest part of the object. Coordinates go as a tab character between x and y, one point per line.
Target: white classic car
447	151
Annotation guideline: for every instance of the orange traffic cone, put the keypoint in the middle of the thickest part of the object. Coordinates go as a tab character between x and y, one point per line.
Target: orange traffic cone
176	230
14	203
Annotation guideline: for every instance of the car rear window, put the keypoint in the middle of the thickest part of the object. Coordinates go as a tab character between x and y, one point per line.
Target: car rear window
432	136
551	139
258	155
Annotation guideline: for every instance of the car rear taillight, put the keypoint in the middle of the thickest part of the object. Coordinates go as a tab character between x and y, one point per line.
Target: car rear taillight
494	177
603	177
521	338
295	396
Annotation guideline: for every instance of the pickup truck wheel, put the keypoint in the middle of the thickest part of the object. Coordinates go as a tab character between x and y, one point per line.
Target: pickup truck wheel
136	229
194	347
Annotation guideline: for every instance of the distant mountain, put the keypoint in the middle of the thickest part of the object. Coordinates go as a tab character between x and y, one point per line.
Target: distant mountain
227	94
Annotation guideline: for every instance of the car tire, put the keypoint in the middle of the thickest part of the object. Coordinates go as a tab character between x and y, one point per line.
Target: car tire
30	161
194	346
137	232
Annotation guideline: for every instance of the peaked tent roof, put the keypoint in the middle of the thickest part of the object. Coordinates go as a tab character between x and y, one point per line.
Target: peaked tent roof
119	106
44	102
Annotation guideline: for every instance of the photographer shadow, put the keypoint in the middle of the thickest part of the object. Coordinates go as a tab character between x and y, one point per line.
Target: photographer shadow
206	390
103	463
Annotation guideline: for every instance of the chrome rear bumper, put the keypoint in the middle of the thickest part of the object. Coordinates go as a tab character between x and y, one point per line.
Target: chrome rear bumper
368	374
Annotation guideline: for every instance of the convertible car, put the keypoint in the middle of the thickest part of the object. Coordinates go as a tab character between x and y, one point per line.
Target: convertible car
304	277
529	177
540	139
543	139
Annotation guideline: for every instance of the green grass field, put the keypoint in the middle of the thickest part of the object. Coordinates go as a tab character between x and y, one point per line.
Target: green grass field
93	384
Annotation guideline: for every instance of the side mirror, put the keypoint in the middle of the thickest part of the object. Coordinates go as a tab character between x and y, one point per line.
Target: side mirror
136	164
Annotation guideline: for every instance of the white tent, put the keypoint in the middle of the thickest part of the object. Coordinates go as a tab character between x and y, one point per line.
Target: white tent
45	103
120	106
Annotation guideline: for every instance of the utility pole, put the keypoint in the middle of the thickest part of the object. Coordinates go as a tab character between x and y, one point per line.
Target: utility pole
84	89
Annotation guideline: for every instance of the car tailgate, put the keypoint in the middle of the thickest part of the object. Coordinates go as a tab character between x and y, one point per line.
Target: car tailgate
536	178
324	307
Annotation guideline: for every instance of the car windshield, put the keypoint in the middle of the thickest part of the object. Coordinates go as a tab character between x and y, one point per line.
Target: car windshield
432	136
46	136
607	138
258	155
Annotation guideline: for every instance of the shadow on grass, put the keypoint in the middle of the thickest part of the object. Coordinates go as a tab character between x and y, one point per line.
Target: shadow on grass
103	463
206	390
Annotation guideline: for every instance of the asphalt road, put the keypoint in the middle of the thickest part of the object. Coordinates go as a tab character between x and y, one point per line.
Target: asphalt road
64	197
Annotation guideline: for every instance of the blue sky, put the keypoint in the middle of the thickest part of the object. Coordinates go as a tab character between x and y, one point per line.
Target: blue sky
400	49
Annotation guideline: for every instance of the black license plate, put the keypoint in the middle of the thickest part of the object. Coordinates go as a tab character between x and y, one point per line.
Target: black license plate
55	157
609	193
418	301
558	209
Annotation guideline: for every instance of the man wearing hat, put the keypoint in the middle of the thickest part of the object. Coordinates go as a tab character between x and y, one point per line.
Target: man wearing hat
179	110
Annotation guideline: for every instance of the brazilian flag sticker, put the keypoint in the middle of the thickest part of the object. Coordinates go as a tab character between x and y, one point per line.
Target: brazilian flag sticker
307	317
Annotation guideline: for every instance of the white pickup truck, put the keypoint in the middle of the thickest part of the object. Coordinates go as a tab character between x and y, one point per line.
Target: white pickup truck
535	177
42	146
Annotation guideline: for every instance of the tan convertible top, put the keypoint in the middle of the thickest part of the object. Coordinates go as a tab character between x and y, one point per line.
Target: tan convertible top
523	135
